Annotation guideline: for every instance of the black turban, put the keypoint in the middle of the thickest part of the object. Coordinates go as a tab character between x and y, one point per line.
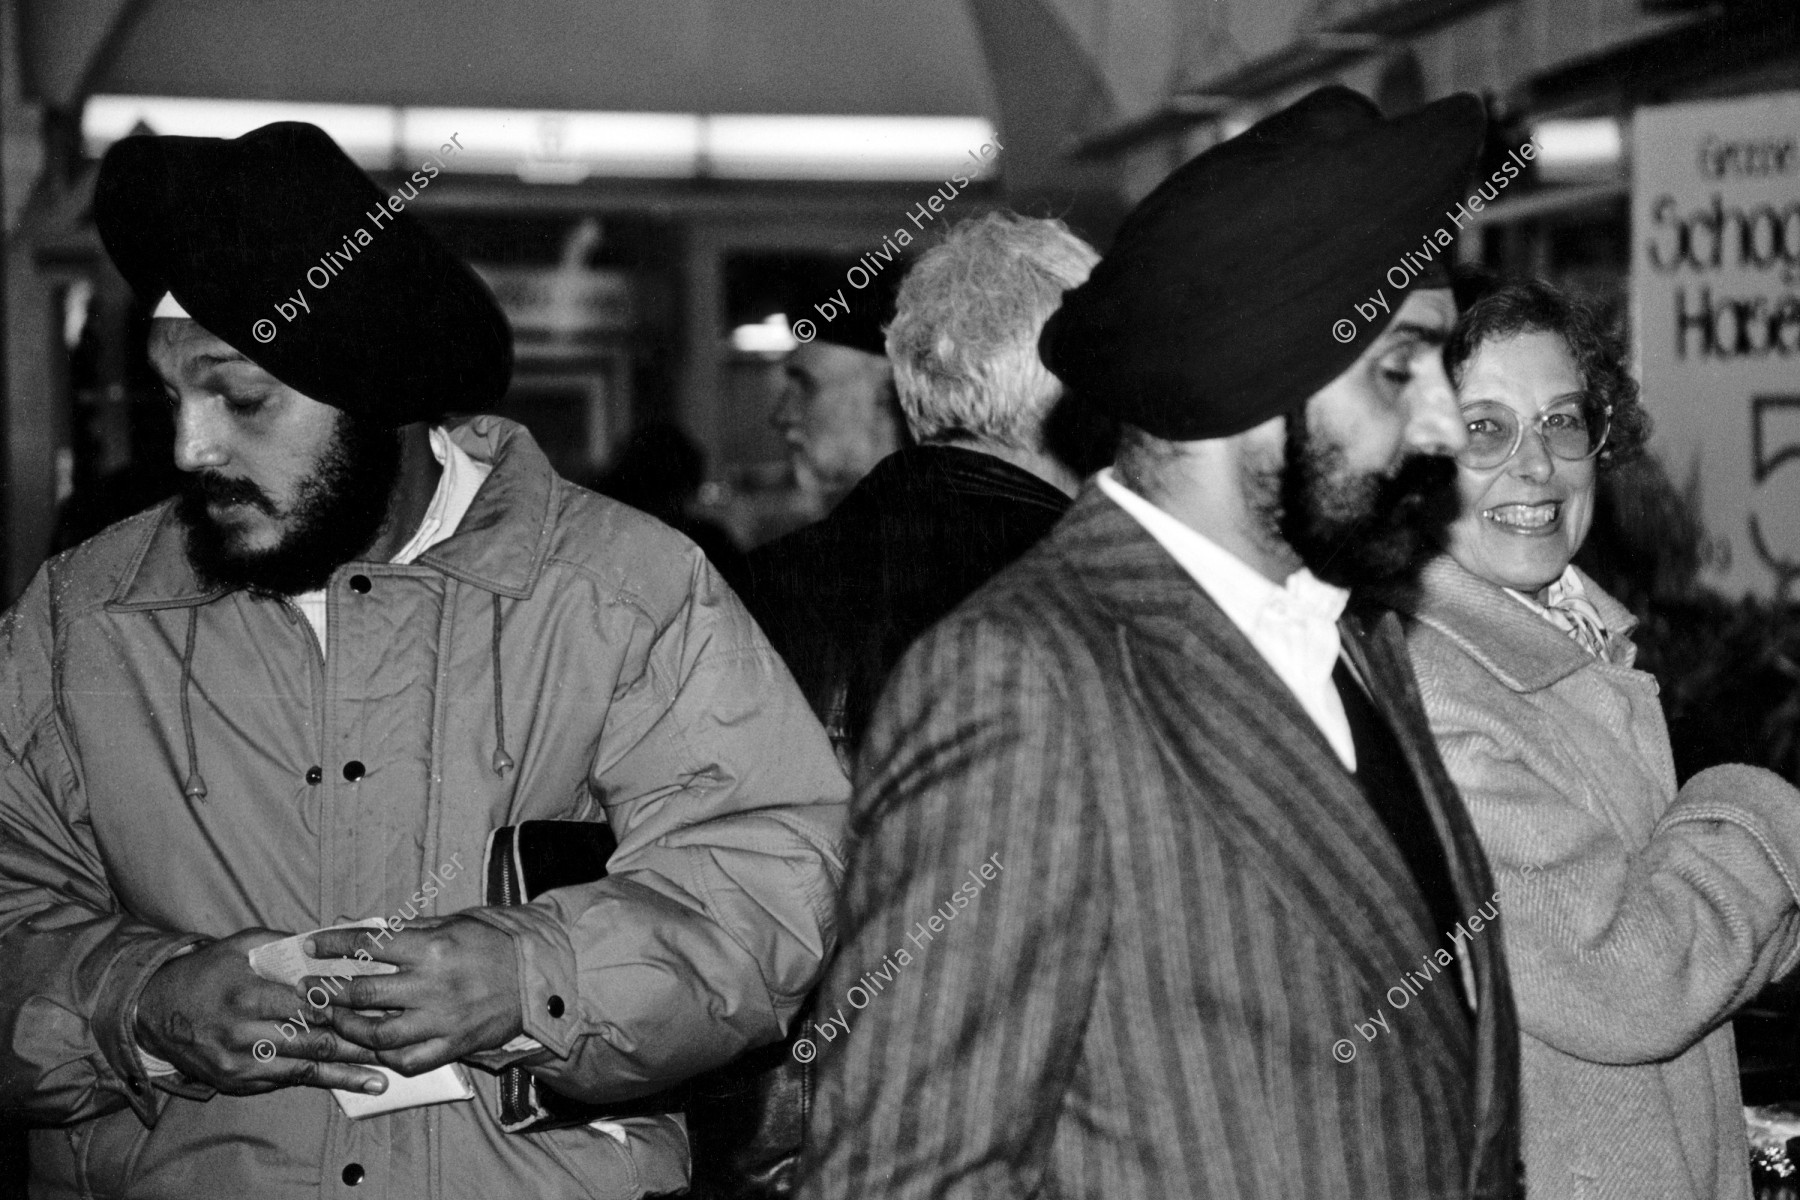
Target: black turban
859	329
1223	299
279	244
864	327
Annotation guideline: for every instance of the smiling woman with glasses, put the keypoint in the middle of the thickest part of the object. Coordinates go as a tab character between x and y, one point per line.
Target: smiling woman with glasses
1636	917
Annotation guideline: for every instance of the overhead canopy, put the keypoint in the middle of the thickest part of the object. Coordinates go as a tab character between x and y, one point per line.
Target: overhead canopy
1044	72
705	56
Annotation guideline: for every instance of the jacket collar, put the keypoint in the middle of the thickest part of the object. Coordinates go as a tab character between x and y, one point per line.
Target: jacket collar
963	471
1305	819
1512	643
500	546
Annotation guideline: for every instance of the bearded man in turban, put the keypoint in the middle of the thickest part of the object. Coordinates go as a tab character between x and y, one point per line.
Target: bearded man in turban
364	643
1157	880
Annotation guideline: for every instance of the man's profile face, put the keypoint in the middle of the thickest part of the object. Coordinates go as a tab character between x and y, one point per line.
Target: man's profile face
280	489
836	414
1363	488
1396	400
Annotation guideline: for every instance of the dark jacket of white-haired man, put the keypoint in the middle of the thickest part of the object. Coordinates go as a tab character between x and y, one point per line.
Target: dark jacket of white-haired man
998	459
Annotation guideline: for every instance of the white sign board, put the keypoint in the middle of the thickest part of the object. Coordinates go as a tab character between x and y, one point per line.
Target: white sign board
1715	213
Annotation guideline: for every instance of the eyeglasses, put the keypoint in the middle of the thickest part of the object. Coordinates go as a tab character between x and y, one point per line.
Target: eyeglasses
1570	431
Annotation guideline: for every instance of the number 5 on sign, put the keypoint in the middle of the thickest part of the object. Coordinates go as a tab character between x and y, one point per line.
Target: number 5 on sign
1774	442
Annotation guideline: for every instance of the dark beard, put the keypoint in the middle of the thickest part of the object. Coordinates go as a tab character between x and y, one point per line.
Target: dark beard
337	512
1357	530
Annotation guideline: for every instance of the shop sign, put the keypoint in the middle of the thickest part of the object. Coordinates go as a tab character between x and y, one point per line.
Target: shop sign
1716	314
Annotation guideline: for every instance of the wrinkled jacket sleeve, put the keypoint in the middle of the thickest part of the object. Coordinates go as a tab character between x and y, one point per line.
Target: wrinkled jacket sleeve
716	915
71	964
1624	954
949	1082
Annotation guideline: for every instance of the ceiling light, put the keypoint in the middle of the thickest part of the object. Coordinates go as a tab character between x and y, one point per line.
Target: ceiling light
770	335
1576	150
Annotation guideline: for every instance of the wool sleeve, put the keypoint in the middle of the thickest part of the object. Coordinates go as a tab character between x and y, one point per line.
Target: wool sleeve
1622	949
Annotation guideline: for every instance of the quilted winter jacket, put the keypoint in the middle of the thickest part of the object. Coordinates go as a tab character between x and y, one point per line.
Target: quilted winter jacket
592	647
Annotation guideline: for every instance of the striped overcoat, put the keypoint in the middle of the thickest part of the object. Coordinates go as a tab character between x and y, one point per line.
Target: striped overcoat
1116	912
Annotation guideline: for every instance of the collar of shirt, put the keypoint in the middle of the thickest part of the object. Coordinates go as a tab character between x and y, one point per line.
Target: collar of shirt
462	477
1293	625
456	488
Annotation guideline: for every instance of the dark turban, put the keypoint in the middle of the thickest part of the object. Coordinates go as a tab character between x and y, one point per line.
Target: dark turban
279	244
864	327
1220	302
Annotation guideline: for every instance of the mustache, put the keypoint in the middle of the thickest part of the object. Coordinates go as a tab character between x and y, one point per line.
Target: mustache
1363	530
210	487
1424	483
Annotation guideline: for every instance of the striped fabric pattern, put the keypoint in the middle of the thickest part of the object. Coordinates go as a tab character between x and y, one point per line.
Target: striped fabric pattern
1194	905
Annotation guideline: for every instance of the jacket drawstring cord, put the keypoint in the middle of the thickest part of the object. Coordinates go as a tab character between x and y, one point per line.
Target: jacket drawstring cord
502	760
195	788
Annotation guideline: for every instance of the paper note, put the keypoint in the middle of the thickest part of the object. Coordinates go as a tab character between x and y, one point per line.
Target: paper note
286	961
447	1083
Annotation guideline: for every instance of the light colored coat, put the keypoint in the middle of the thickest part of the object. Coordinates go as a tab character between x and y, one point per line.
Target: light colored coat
1638	918
632	688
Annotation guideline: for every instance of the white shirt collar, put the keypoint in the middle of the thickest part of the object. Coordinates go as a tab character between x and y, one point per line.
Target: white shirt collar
456	489
1293	625
1246	594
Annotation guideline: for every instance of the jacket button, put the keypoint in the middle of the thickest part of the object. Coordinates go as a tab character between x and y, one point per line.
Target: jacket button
353	1174
353	770
360	584
556	1007
313	774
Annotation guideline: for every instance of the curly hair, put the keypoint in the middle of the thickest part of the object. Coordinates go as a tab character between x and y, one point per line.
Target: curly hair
963	341
1503	310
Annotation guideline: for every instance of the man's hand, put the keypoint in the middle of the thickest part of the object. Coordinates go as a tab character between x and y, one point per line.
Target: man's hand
215	1019
456	993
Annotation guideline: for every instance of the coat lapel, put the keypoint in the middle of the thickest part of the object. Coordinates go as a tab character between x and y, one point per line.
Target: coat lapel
1375	646
1242	745
1512	643
1548	656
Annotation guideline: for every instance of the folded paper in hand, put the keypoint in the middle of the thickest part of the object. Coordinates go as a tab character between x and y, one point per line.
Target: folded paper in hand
286	961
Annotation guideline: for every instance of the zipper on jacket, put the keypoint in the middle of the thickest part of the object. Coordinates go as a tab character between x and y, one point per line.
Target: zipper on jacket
292	612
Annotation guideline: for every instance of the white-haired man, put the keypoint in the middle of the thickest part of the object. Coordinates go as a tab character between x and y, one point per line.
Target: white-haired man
843	598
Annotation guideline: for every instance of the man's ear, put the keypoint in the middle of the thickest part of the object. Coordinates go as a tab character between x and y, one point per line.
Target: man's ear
890	405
